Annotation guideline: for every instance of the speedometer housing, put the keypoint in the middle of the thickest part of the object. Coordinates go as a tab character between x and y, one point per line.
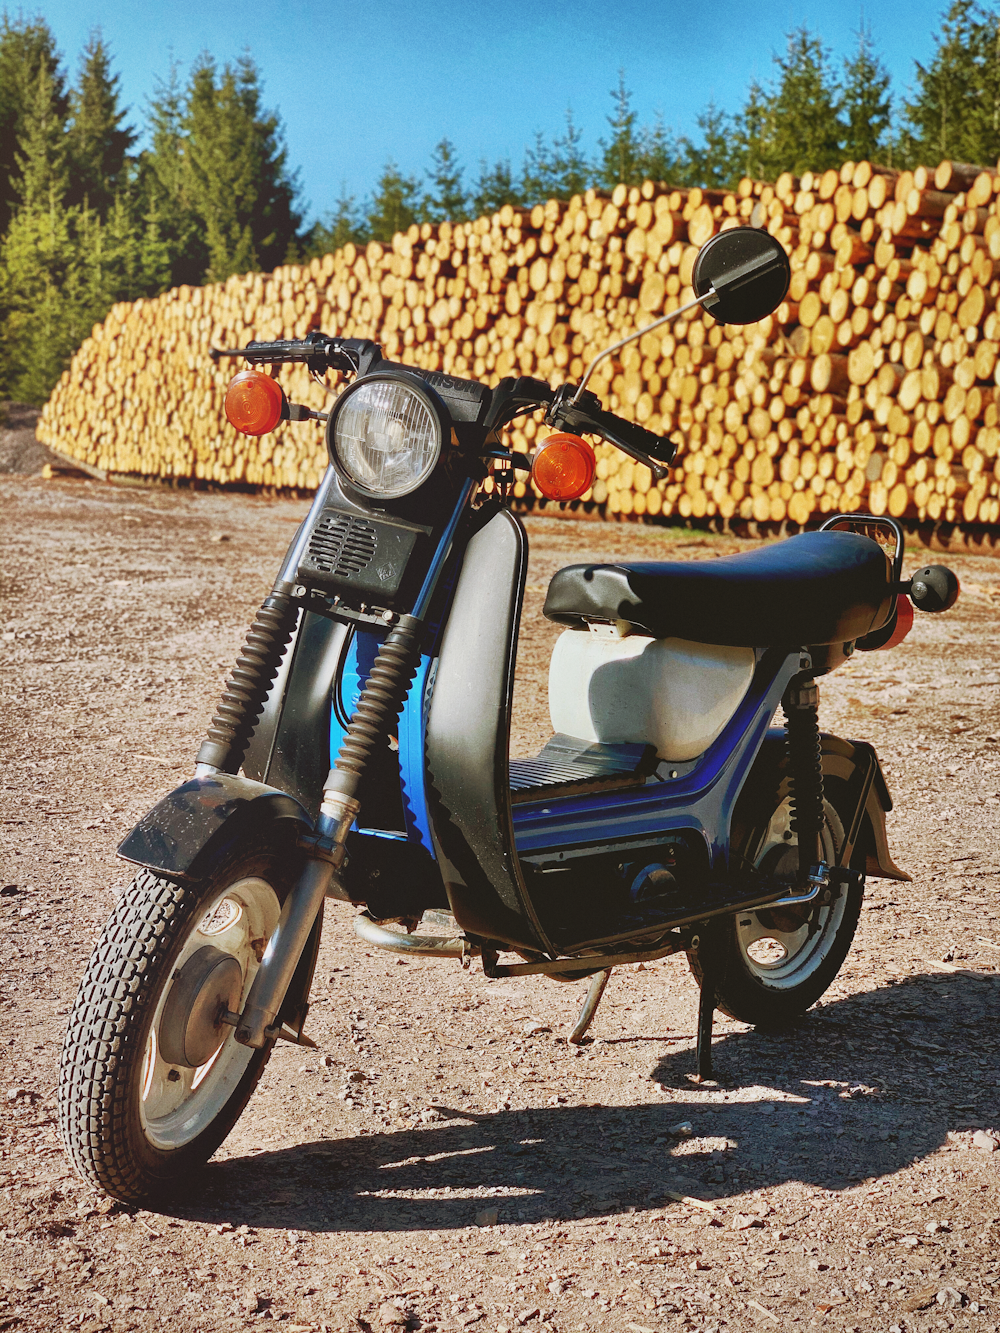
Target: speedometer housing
386	433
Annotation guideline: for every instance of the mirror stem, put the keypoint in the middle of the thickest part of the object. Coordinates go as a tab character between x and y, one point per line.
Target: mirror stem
708	299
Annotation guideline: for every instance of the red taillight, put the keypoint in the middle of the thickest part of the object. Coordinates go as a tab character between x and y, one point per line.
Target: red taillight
904	622
563	467
254	402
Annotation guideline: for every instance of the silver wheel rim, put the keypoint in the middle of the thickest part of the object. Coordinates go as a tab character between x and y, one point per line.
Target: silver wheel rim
176	1103
782	959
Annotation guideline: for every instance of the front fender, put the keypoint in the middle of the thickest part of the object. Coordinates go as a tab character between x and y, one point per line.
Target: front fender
185	832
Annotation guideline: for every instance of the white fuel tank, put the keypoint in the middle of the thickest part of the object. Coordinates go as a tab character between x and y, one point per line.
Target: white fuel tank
669	693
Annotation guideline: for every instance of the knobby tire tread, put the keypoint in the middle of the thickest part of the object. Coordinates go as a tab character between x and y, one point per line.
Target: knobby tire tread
98	1062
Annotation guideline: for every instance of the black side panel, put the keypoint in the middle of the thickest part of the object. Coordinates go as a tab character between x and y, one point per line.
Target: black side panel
183	833
468	737
290	748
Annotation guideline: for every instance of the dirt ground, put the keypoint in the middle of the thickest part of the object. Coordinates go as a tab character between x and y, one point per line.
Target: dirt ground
20	452
832	1177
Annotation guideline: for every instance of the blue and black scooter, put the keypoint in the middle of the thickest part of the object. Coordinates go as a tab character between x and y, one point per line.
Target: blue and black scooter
361	752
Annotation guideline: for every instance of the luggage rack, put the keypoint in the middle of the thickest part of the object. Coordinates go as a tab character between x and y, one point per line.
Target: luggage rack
567	766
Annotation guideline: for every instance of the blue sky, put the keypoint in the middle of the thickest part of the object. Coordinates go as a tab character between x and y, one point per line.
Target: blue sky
358	83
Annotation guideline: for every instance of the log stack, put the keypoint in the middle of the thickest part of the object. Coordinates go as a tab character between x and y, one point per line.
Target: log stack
874	386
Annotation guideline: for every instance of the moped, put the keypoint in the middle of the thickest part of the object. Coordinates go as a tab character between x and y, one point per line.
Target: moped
360	752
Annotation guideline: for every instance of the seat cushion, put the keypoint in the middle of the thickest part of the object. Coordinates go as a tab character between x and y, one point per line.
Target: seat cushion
819	587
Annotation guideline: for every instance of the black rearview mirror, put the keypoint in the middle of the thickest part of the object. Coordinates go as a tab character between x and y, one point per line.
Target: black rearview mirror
749	271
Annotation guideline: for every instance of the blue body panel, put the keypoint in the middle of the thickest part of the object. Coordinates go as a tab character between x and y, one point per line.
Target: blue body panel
700	799
412	727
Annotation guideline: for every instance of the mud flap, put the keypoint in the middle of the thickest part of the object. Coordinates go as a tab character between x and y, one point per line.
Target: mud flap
857	764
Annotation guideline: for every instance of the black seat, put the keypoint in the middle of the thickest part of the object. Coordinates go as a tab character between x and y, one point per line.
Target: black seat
819	587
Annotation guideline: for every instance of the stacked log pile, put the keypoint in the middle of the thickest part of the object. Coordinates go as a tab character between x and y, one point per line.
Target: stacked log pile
873	386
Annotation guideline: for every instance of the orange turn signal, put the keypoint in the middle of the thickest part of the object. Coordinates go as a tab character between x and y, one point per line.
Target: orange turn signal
254	402
563	467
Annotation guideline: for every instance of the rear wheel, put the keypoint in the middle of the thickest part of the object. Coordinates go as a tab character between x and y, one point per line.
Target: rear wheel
771	964
152	1079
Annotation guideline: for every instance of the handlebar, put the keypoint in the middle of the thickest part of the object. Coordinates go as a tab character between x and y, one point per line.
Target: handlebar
586	414
319	352
581	413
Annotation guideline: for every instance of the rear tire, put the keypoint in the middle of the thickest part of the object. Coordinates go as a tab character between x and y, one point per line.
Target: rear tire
771	966
134	1125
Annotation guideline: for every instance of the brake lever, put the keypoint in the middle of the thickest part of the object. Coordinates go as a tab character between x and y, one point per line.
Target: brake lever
584	414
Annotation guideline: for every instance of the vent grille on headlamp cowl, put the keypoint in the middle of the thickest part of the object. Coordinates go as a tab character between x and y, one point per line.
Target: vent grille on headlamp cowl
342	546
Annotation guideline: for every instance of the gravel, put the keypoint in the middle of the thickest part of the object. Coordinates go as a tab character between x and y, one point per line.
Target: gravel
483	1173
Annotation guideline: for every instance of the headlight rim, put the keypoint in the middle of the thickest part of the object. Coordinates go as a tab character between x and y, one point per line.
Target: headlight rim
416	385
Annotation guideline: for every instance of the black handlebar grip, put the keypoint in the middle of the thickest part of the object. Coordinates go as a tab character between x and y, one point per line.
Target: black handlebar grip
628	435
934	588
633	436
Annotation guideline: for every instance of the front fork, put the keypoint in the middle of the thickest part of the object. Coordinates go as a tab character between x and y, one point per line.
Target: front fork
326	852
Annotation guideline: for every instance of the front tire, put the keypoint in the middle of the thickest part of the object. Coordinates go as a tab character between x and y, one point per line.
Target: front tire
770	966
135	1124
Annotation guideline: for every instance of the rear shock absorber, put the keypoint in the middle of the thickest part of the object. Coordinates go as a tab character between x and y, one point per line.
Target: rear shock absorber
246	689
801	708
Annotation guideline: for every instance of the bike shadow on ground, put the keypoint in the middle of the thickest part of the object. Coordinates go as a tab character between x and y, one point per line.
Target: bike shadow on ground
856	1091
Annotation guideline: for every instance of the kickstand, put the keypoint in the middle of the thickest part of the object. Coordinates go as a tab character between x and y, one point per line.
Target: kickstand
586	1016
706	1013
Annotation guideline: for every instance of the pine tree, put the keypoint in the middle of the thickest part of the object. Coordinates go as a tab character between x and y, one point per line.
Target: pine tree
539	179
956	113
571	171
96	142
494	187
658	158
558	171
155	249
621	155
866	103
344	224
26	46
166	189
717	162
445	201
396	204
235	169
41	281
804	132
752	133
119	256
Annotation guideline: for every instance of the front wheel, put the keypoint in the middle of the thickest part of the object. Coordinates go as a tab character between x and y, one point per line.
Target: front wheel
152	1079
771	964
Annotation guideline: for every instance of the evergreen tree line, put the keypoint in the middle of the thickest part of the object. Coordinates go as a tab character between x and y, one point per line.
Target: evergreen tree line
87	220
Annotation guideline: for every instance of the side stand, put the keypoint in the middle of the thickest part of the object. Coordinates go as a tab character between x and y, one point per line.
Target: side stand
593	999
706	1013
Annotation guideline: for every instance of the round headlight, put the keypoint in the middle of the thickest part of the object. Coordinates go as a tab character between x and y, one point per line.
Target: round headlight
386	436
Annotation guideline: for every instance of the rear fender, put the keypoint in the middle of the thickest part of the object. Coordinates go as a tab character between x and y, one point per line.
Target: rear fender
856	764
189	830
